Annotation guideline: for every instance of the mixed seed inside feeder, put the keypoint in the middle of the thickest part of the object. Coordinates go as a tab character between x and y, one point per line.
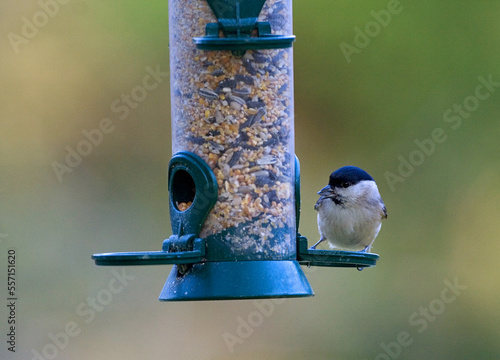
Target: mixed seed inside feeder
236	113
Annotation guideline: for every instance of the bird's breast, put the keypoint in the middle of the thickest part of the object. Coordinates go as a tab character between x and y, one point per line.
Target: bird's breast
347	226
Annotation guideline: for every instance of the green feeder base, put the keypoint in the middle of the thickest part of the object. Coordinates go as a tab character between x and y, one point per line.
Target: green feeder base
232	280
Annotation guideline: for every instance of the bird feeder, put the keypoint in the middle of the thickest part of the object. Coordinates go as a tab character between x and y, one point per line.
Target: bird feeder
234	179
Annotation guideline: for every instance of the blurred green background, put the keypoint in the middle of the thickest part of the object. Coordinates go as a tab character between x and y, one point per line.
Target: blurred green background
443	218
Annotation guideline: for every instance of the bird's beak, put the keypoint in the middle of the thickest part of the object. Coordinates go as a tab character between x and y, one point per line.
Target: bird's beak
327	191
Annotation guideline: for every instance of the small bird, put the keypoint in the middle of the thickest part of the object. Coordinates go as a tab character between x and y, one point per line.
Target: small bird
350	210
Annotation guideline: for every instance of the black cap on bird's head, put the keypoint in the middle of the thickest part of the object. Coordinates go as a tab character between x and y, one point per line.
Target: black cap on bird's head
347	176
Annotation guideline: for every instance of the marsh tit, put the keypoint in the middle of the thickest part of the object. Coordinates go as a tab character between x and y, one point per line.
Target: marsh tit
350	210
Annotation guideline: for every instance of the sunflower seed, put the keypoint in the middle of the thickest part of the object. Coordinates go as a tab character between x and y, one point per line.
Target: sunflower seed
259	58
253	119
249	67
196	140
244	78
230	83
216	148
208	94
266	160
255	104
276	58
236	99
261	112
213	133
263	180
218	72
234	159
272	196
242	92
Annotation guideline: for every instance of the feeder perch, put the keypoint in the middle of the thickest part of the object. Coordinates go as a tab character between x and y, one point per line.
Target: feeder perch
234	179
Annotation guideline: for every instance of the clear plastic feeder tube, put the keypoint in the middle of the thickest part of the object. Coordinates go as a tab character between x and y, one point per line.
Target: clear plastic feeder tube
236	113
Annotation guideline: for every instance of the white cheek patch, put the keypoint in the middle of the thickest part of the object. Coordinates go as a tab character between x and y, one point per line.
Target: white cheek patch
363	190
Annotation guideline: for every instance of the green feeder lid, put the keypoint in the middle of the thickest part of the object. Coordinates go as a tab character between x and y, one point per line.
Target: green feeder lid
237	19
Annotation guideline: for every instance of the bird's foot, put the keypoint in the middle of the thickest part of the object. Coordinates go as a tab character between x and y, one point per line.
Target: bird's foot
314	246
365	250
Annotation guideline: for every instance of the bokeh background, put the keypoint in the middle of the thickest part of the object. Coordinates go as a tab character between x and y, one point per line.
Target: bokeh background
443	218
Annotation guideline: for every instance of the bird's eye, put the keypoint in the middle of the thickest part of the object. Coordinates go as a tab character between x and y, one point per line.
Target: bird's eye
345	184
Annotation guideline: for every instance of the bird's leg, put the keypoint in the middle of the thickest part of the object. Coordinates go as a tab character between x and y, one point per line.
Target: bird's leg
314	246
365	250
